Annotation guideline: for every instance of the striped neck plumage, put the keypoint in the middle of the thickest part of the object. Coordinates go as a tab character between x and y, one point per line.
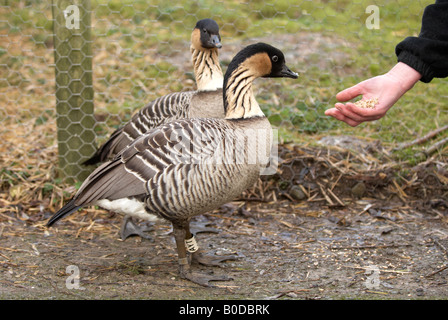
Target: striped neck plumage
239	99
207	69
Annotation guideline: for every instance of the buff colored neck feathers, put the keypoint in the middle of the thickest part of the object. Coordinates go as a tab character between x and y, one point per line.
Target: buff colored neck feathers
239	99
206	64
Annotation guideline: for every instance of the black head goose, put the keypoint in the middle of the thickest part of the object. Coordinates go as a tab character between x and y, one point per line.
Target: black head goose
205	42
205	102
190	166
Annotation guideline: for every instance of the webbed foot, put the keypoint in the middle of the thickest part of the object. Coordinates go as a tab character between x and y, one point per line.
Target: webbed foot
129	228
209	259
201	227
203	279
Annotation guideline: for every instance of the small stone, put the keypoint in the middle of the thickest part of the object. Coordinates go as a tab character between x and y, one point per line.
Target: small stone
296	193
420	292
359	189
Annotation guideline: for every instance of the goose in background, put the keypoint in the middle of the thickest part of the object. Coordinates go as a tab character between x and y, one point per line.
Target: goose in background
191	166
205	102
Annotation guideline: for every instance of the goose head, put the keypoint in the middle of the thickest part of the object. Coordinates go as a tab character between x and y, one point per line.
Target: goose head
255	61
205	35
260	60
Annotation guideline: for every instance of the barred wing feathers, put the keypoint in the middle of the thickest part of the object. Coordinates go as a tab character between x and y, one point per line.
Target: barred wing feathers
180	169
162	110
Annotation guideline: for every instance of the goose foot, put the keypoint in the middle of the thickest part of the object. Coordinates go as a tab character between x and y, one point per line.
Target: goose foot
129	228
184	239
201	227
208	259
201	278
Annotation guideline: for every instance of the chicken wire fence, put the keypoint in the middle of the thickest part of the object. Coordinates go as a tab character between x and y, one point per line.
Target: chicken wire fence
71	72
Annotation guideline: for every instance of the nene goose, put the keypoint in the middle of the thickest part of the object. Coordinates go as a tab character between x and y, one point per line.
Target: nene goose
205	102
191	166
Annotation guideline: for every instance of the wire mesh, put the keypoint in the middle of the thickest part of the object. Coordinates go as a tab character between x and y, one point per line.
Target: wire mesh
140	51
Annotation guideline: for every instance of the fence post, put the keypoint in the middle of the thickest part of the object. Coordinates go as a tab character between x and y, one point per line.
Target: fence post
74	91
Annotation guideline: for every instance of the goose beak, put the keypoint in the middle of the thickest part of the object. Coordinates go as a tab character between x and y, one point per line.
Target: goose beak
215	41
287	73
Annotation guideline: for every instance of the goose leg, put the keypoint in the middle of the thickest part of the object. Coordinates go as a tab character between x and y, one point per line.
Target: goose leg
199	256
129	228
184	265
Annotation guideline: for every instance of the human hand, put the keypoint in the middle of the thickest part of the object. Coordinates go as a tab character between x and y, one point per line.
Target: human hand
387	88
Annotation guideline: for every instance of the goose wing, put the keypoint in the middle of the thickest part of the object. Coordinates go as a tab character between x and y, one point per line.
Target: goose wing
182	142
185	157
162	110
191	167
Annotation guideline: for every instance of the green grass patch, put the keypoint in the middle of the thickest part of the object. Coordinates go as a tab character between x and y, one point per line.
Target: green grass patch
137	36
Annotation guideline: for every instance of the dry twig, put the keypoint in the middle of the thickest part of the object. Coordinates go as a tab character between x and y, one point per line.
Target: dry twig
421	140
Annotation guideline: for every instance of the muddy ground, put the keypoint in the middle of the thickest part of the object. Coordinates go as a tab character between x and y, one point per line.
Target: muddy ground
371	234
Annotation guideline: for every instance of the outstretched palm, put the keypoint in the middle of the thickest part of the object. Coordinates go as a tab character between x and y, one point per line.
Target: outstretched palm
387	88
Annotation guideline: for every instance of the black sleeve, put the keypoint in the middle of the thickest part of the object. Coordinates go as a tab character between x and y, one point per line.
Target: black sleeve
428	53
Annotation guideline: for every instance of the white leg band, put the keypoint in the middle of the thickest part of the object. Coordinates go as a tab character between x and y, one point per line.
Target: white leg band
191	244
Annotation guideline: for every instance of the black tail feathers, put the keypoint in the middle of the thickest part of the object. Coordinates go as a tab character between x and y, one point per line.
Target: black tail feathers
64	211
106	151
96	158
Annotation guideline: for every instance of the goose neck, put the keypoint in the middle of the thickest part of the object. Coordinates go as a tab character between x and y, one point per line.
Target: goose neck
207	69
239	99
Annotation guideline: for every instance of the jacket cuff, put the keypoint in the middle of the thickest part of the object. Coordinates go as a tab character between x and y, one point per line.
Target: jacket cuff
417	64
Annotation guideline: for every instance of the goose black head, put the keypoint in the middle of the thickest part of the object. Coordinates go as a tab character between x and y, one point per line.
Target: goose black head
260	60
206	34
254	61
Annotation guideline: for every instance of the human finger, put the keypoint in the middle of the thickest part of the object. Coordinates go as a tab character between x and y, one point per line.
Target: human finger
349	93
335	113
357	114
369	114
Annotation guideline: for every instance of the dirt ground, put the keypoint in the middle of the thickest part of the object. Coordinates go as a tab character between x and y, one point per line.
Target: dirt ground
329	232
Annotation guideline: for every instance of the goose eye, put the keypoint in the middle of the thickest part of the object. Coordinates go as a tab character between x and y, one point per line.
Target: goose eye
274	58
204	30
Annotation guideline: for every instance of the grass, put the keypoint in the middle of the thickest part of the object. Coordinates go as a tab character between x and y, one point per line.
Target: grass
136	47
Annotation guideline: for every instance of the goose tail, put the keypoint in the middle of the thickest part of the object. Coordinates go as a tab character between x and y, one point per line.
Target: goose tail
70	207
108	149
96	158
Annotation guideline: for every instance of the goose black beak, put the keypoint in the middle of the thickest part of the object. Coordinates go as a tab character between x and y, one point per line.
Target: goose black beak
215	41
287	73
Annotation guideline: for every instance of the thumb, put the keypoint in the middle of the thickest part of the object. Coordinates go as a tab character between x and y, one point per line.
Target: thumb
349	93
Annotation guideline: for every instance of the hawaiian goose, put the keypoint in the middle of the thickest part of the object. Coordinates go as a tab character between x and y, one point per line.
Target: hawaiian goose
205	102
191	166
